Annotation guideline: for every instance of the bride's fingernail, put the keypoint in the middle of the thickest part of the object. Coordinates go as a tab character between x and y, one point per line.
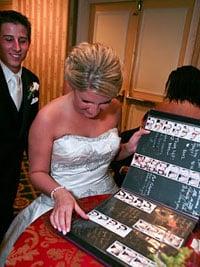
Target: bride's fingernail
64	232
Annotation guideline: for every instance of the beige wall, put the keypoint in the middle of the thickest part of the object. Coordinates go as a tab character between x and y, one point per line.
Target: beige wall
48	47
150	89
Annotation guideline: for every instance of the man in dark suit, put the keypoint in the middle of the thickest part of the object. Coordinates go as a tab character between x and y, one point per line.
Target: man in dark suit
18	107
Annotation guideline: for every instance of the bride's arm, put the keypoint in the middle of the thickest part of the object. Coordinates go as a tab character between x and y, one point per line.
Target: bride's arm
129	148
41	139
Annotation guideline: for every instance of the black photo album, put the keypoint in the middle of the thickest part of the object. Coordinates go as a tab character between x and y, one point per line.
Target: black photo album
157	206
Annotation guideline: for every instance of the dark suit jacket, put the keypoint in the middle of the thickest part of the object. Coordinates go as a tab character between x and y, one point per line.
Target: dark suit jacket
14	127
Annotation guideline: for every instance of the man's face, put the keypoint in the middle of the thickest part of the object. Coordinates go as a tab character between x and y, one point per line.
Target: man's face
14	45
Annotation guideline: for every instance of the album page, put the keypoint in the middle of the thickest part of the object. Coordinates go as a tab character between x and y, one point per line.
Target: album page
166	165
126	230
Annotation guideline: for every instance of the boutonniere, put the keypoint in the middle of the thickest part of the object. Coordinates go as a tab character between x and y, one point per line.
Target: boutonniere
32	94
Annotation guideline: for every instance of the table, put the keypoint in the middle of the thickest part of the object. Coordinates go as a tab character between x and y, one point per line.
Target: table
40	245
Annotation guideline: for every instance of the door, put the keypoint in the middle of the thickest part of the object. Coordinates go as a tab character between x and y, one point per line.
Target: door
151	37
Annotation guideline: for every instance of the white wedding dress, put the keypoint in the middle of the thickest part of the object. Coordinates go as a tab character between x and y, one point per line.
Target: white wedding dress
81	165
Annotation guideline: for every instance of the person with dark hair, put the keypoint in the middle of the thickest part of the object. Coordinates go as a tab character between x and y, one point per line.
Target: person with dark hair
18	106
182	92
70	159
11	16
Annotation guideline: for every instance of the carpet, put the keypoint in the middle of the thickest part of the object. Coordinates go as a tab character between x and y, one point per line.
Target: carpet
26	192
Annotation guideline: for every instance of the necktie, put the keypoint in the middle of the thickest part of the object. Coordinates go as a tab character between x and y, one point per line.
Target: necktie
16	90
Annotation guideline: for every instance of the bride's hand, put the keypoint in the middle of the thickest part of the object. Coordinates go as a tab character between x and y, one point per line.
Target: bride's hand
64	205
133	141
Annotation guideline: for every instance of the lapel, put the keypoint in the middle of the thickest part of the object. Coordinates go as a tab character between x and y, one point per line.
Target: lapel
25	85
5	95
24	109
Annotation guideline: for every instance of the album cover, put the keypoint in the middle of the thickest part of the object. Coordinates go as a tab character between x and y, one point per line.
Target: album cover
159	203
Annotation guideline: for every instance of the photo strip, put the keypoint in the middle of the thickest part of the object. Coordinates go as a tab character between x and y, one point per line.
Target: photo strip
167	170
135	201
173	128
158	233
129	256
109	223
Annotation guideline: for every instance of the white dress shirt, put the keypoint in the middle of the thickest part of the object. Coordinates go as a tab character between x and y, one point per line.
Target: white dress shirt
14	84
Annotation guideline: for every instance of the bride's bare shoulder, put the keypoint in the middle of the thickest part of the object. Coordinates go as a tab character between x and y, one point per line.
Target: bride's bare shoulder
54	110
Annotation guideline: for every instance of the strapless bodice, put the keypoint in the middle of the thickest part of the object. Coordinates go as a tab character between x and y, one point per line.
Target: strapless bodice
81	163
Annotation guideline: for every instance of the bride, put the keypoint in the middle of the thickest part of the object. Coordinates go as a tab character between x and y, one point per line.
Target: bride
73	140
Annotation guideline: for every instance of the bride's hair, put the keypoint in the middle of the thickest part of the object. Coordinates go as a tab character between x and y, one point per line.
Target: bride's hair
94	67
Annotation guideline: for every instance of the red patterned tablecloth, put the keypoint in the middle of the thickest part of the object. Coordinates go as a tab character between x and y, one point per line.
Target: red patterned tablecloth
40	245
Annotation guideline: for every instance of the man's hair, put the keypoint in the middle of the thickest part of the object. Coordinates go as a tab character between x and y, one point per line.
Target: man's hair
95	67
183	84
11	16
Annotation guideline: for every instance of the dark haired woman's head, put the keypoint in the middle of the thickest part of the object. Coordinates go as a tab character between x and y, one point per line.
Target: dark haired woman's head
183	84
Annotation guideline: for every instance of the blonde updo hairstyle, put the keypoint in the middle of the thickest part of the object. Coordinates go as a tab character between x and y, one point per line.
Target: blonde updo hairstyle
95	67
